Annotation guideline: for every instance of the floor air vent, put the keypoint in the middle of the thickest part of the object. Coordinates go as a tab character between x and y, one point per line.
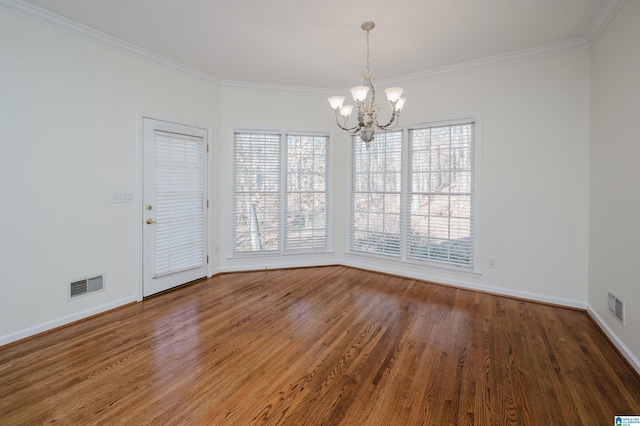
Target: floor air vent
616	307
88	285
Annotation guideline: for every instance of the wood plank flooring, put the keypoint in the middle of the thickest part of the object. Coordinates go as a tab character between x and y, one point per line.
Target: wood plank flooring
320	346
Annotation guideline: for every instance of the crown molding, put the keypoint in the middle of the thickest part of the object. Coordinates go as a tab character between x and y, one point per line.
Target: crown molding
606	14
67	25
608	11
277	87
521	55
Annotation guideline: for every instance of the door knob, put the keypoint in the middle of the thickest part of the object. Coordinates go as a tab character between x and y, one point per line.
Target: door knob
150	221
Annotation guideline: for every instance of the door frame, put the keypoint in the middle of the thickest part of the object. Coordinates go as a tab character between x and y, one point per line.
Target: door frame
139	204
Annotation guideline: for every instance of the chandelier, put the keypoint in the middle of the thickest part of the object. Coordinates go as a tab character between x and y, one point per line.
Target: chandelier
366	108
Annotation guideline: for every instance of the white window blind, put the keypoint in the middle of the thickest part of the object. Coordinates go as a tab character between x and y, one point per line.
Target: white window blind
306	192
256	203
441	193
179	202
376	194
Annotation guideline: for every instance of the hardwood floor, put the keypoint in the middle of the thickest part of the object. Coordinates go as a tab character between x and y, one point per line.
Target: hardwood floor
320	346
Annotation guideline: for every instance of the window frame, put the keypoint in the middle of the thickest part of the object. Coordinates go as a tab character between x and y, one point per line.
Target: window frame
475	266
283	194
387	250
327	193
235	195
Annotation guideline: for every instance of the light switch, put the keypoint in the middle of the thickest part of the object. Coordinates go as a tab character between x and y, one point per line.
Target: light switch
121	197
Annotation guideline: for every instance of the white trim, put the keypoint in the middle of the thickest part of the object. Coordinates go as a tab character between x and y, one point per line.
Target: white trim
282	233
400	262
277	87
331	190
613	337
49	325
405	204
210	184
328	158
403	256
473	117
349	184
476	119
606	14
477	193
139	211
520	55
402	271
276	262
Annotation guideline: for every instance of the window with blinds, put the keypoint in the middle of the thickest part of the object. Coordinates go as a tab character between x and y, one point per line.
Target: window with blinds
307	193
179	202
376	194
256	202
440	193
429	216
280	193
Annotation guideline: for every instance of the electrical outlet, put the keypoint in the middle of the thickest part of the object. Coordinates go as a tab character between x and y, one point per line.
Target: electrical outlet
492	263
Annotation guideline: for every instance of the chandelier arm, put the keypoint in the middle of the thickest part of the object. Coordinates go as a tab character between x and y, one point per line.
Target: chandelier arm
395	119
351	130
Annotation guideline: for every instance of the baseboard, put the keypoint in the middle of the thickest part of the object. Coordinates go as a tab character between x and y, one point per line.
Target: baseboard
243	266
613	337
461	283
50	325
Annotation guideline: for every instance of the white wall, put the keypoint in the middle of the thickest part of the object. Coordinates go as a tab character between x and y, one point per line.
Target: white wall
69	129
534	166
69	137
534	184
246	108
614	208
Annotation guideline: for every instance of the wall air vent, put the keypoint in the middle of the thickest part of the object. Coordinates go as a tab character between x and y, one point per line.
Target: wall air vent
616	307
85	286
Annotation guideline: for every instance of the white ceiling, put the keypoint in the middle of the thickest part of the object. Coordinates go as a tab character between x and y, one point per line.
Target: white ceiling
319	43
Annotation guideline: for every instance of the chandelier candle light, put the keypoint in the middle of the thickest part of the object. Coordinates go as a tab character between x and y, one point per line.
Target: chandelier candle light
365	98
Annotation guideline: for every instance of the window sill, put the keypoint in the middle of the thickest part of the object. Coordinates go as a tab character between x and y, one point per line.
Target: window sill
245	256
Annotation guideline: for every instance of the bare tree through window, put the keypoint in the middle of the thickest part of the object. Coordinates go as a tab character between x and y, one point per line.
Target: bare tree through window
441	193
276	173
376	194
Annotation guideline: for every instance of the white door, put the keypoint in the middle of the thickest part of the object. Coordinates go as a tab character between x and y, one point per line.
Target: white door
174	205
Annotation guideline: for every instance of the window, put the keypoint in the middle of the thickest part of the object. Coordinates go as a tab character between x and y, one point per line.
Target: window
179	240
280	193
256	201
428	217
307	193
376	194
441	193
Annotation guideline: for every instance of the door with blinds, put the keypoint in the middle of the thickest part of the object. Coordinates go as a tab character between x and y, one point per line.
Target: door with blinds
174	205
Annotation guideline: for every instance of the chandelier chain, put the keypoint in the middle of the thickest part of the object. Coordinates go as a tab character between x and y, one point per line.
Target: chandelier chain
368	71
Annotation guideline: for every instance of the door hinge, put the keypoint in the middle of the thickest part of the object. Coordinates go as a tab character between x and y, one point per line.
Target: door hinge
207	203
207	147
207	258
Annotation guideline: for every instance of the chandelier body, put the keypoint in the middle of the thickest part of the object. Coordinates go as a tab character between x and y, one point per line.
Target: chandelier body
366	108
